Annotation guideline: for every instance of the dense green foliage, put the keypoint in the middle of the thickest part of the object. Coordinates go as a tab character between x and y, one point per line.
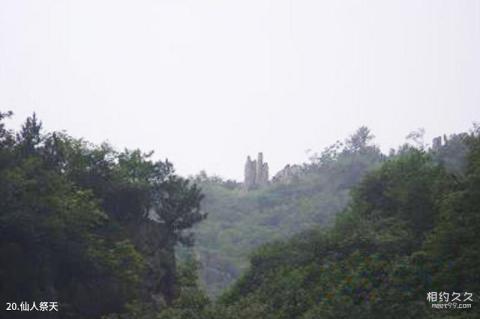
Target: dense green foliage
355	234
76	224
241	221
411	228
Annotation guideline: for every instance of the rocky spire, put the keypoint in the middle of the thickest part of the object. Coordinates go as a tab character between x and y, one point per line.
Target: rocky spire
250	174
256	173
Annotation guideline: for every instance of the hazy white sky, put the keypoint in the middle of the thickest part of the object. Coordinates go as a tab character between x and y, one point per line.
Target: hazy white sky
205	83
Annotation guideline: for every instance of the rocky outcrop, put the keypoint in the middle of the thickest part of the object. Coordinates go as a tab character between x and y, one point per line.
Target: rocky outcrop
288	174
151	238
256	173
262	171
250	174
436	143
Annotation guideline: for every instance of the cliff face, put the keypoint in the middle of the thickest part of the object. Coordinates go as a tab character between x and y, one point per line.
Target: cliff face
288	174
151	238
250	174
256	173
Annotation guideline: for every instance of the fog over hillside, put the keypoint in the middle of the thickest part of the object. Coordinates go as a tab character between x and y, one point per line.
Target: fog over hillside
254	159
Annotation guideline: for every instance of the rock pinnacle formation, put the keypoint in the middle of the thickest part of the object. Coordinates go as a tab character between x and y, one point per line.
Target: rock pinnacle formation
256	173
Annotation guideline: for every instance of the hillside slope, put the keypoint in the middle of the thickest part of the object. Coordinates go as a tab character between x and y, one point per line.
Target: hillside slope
239	221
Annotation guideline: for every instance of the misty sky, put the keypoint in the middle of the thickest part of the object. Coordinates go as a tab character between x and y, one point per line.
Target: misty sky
205	83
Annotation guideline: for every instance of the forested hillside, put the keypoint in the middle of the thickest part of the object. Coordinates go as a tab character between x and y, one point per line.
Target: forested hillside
86	226
240	221
406	242
411	228
356	234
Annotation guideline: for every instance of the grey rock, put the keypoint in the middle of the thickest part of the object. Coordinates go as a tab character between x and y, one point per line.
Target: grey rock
256	173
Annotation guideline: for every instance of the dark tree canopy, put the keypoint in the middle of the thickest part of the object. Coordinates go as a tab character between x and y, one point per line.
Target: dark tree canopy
74	222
